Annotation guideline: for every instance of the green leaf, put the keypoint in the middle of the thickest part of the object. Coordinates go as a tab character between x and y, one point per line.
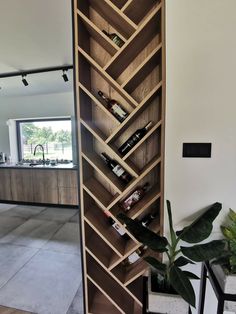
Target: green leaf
182	261
190	275
204	252
232	215
227	233
144	235
172	233
201	228
223	260
182	285
232	246
160	267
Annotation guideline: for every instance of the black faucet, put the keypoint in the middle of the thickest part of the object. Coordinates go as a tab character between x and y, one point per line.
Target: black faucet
42	148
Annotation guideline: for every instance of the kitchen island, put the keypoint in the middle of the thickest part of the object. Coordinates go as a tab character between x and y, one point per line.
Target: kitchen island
39	184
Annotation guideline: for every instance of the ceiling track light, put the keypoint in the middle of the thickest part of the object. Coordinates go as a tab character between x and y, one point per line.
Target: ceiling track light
64	75
24	81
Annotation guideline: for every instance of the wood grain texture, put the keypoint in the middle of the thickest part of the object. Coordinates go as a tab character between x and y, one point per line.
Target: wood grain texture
7	310
22	185
5	185
133	76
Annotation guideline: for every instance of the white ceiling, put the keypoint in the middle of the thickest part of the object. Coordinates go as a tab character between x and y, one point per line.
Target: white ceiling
35	34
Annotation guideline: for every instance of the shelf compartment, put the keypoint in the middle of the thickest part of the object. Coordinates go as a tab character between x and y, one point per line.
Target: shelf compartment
92	114
127	274
146	32
98	103
119	3
99	222
99	248
114	17
93	208
85	58
148	200
133	116
149	71
96	162
137	10
149	133
147	154
116	294
100	192
133	295
92	40
151	174
91	142
97	35
136	288
98	303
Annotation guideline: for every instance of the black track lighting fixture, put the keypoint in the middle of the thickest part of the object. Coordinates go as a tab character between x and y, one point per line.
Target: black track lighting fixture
64	75
24	81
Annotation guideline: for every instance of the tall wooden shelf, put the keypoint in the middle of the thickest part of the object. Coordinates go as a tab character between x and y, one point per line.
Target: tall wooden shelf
134	75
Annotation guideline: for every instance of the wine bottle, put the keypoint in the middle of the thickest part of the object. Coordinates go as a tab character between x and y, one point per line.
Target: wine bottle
115	108
116	169
116	226
134	197
115	38
134	139
135	256
147	219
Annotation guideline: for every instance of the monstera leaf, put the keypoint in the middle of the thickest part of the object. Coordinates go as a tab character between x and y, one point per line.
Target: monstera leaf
201	228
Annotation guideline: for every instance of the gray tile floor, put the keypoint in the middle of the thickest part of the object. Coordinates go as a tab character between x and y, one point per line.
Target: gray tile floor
40	262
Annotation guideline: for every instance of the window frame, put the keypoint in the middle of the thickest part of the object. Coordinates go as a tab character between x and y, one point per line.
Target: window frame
30	120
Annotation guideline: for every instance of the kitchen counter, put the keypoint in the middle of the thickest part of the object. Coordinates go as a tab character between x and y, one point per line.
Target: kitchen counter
39	184
68	166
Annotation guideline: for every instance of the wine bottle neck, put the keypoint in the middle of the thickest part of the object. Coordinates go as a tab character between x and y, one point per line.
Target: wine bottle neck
106	33
148	126
146	186
105	157
100	93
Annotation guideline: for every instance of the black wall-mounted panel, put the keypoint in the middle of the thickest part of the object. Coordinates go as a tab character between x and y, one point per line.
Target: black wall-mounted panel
197	150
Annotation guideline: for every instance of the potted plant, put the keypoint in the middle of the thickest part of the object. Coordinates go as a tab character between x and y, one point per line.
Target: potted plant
224	267
175	289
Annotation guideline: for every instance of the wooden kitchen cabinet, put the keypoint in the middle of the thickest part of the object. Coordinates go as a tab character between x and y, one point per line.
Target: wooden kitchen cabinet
45	186
5	185
21	185
67	187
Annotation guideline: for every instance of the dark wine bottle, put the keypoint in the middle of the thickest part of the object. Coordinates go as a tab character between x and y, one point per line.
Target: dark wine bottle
134	139
121	230
115	108
120	172
134	197
115	38
147	219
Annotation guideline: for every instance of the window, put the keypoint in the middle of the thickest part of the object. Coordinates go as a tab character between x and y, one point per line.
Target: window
54	134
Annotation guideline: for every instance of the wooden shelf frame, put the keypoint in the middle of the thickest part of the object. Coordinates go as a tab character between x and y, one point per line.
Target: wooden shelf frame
134	75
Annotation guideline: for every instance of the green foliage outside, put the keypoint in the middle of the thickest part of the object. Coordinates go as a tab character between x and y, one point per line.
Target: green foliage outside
56	143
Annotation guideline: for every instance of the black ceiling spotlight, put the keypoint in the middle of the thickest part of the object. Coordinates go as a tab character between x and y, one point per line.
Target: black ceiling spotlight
24	81
64	75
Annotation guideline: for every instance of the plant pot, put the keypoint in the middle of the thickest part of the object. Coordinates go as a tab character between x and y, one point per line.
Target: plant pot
165	303
227	284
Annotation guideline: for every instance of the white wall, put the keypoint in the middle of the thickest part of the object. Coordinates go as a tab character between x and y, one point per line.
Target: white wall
201	105
50	105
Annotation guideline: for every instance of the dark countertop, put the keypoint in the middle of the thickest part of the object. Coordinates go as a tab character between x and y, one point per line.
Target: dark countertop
68	166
